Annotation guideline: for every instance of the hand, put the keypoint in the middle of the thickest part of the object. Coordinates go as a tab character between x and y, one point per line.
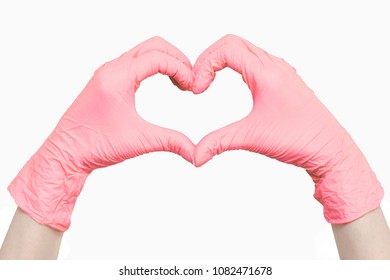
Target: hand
100	128
290	124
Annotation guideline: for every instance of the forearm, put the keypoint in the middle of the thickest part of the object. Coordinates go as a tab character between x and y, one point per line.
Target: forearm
27	239
365	238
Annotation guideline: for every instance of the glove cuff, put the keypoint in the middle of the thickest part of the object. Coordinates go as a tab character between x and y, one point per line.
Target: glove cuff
349	189
46	189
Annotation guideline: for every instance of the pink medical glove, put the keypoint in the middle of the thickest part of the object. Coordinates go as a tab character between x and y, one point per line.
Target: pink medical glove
100	128
290	124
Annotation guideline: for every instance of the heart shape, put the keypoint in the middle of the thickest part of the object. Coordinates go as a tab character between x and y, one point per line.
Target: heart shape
200	78
194	115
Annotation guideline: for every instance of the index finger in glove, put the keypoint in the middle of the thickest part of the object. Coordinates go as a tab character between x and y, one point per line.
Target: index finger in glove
230	51
154	62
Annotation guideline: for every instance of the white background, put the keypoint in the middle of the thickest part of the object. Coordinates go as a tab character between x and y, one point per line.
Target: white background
238	206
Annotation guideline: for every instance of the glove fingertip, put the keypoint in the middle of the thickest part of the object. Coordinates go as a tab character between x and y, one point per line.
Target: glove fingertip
202	155
200	85
201	160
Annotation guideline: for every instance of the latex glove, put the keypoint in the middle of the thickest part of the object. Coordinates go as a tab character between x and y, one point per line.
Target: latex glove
100	128
290	124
